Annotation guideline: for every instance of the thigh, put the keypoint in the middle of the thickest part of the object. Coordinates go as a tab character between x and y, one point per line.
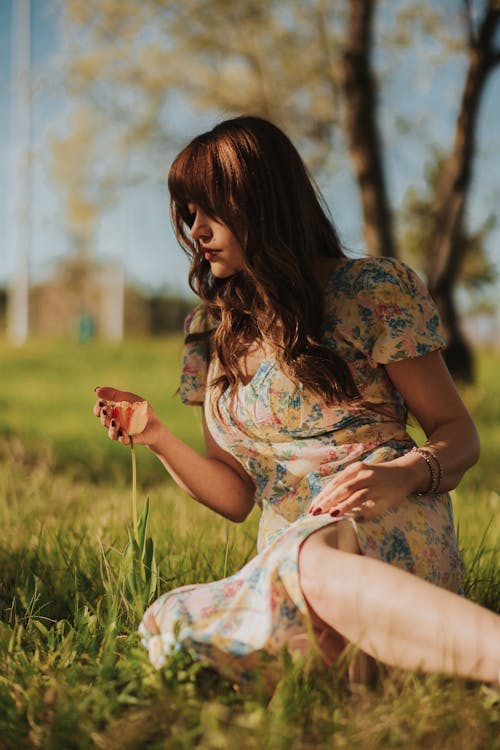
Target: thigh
316	560
340	535
317	556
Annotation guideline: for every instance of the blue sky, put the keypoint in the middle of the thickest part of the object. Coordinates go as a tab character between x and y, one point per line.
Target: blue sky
137	230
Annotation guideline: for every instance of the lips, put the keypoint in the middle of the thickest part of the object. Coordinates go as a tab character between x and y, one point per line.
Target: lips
210	255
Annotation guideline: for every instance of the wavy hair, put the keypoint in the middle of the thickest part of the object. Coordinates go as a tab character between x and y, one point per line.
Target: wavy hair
247	174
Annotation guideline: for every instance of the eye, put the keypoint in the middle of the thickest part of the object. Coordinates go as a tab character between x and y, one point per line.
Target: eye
187	216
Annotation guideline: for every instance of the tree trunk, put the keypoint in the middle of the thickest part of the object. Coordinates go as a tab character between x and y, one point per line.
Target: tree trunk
451	195
361	127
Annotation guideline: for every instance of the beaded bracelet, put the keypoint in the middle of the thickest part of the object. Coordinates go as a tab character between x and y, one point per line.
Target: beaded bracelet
439	467
435	467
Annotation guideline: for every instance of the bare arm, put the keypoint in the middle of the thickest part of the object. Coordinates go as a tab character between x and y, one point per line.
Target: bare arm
430	394
216	480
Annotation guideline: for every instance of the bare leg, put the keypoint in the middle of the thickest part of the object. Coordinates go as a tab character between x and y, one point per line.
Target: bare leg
395	616
362	669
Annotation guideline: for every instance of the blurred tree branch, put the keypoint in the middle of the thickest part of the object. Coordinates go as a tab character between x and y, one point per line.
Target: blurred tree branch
453	187
361	126
308	66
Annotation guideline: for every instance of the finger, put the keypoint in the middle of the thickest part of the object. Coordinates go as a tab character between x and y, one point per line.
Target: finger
366	510
98	406
329	499
327	492
105	415
114	429
317	511
123	438
352	504
114	394
325	500
340	487
368	504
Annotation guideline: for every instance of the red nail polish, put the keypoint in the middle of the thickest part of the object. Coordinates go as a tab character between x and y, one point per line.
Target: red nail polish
335	512
113	423
317	511
104	412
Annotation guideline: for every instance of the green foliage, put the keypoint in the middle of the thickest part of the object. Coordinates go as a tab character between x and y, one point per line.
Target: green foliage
418	220
73	673
46	402
167	312
138	565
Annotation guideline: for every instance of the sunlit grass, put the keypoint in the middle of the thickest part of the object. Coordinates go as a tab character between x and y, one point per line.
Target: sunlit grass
48	393
73	673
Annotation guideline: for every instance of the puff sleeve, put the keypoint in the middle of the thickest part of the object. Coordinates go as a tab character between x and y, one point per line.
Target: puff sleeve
398	319
195	358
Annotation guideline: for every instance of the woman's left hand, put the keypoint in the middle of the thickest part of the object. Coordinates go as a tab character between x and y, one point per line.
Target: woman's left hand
362	491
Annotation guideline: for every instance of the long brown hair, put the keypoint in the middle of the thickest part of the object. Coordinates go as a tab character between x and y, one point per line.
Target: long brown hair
247	174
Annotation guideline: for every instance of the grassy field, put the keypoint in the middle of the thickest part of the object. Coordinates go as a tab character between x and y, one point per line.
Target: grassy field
73	673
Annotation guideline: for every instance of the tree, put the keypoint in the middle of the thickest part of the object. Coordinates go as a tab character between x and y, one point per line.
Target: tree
421	222
448	241
71	155
454	184
76	170
308	66
361	126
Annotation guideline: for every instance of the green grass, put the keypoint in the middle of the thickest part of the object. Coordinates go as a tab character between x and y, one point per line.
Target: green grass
73	673
48	392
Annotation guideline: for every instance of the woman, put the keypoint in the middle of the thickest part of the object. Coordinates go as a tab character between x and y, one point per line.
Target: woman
306	364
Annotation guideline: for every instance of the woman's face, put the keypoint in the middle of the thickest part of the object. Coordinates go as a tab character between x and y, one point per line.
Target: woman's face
217	243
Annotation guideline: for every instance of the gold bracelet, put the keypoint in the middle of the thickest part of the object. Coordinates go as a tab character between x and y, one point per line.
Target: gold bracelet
439	467
435	467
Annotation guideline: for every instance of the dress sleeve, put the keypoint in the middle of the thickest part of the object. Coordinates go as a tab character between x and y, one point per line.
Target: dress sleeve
398	318
195	358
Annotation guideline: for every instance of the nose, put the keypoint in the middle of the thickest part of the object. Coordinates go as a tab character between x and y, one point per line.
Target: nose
200	229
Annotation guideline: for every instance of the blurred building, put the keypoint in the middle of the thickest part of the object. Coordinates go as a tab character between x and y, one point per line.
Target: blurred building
82	299
86	298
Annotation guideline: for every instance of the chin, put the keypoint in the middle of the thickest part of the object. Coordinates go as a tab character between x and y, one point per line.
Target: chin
223	273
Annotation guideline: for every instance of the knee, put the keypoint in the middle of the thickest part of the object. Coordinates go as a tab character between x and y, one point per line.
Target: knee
319	559
149	623
312	568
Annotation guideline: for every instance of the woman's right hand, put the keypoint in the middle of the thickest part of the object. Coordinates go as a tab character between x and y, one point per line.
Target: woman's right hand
218	480
103	410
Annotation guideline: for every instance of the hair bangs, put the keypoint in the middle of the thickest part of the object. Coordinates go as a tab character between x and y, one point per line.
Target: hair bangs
199	176
247	174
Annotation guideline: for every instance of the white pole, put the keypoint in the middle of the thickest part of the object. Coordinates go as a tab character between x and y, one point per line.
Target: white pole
19	172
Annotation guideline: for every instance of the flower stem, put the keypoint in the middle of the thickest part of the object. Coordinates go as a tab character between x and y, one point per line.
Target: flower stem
134	490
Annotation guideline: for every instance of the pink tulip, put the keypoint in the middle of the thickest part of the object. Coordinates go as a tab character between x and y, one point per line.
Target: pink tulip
132	417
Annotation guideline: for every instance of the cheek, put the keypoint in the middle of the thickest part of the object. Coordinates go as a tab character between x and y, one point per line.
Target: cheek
237	253
244	240
241	255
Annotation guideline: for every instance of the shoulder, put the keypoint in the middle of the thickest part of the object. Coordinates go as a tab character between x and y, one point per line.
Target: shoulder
382	307
353	275
197	327
199	321
370	273
368	280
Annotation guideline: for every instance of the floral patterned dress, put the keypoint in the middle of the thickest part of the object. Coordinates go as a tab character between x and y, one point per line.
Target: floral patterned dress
377	311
